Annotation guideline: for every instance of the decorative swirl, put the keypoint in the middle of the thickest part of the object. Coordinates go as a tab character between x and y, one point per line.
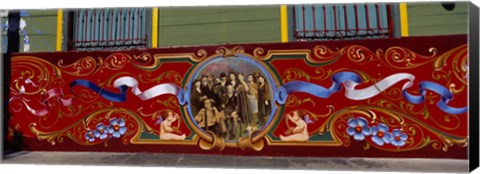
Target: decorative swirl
80	127
145	61
225	52
259	53
446	122
420	133
358	54
171	75
403	58
116	61
32	76
73	111
201	54
322	52
83	67
297	73
294	101
319	55
171	102
291	74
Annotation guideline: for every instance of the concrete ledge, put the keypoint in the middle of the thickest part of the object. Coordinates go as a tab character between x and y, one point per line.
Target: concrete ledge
209	161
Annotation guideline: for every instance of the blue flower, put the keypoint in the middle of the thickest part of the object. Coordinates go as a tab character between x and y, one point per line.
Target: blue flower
89	136
380	134
117	127
101	132
399	139
357	127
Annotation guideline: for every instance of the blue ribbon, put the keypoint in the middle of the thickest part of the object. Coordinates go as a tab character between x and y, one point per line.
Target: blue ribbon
340	77
320	91
114	97
439	89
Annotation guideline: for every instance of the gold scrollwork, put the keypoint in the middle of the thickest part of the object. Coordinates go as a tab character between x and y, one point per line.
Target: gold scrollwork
294	101
247	143
225	52
358	54
215	143
77	129
420	134
319	55
403	58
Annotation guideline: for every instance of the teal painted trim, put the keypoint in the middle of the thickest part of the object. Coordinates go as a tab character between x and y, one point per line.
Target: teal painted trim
397	28
291	27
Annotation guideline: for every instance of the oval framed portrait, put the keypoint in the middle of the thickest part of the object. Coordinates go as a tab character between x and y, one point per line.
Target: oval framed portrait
232	97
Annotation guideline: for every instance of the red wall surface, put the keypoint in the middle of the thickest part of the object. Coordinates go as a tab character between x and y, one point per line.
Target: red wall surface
402	97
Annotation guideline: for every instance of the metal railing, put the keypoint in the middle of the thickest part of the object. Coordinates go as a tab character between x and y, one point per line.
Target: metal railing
342	21
108	29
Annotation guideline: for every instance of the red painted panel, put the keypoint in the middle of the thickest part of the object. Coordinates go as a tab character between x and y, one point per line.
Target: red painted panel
367	98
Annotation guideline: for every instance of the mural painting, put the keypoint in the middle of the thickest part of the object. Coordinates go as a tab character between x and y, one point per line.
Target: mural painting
394	98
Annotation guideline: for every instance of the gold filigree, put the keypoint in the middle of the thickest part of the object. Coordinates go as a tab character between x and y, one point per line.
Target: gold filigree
414	128
32	76
358	54
401	58
297	73
225	52
171	102
322	52
75	133
319	55
199	56
83	67
447	122
294	101
321	74
170	75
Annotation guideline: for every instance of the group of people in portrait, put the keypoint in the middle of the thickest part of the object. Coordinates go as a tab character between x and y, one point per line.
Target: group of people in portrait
230	104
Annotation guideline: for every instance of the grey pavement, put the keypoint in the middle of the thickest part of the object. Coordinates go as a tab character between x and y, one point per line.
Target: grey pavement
224	161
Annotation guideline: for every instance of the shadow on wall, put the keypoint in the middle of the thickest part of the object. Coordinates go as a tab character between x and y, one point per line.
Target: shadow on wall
448	5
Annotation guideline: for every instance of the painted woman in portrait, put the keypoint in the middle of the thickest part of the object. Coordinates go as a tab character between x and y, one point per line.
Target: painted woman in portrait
243	103
263	100
253	99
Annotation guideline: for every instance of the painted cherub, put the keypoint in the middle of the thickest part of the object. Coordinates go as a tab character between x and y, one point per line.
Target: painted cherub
299	133
167	132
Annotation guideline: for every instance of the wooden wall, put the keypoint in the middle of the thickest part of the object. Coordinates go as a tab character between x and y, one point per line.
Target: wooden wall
215	25
426	19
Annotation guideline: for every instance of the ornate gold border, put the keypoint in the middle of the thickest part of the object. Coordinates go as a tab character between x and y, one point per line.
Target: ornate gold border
244	143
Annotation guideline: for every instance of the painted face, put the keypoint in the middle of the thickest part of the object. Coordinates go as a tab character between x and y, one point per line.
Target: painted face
224	79
250	78
261	80
240	77
232	76
217	80
204	81
296	116
197	83
170	116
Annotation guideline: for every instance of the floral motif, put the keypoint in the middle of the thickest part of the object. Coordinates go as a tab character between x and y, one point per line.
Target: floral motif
380	134
358	128
117	127
89	136
399	139
101	132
